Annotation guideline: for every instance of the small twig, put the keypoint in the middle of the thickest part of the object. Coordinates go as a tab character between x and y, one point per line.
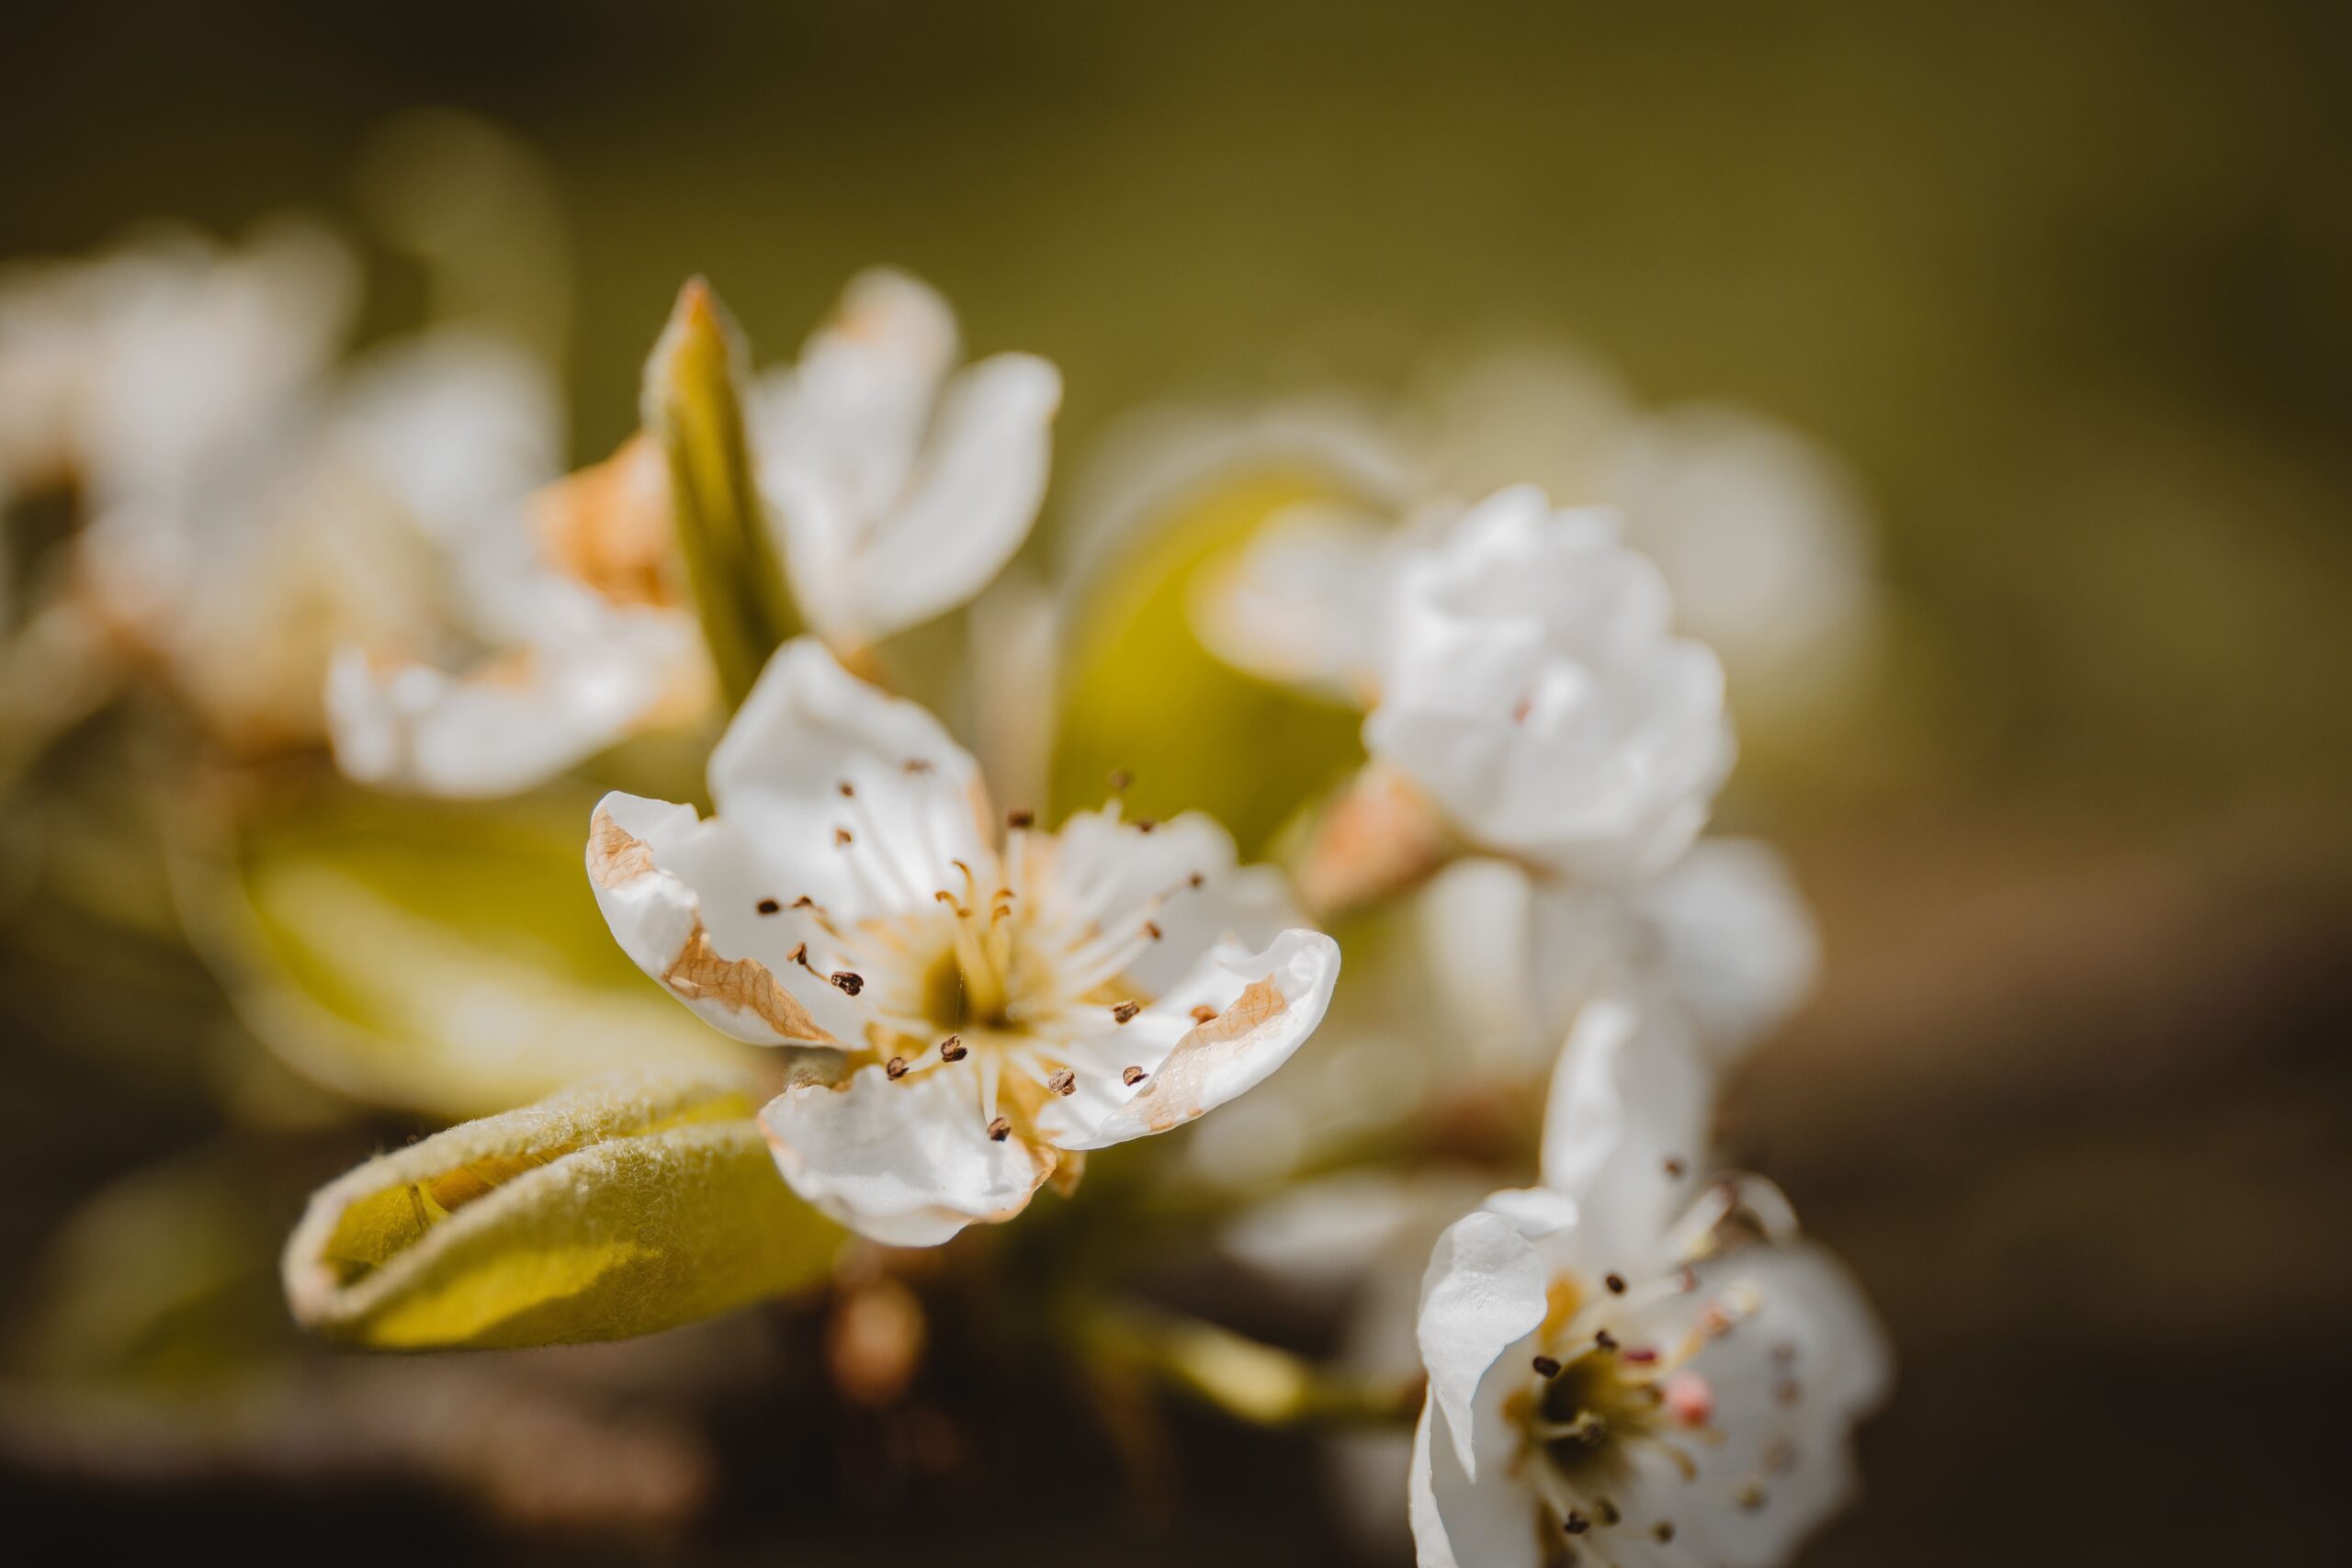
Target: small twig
1245	1377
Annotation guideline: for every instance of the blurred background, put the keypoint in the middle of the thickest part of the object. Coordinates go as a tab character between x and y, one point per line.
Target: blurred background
2066	292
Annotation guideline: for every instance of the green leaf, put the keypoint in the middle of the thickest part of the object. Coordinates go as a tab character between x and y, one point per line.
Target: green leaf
622	1207
694	407
1145	697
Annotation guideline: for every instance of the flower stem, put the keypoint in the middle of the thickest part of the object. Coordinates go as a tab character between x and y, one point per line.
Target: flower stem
1245	1377
694	406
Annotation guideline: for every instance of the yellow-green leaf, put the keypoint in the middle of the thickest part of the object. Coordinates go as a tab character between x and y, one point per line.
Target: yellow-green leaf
446	959
621	1207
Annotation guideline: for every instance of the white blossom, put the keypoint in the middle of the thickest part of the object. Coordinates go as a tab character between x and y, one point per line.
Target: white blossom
1760	534
1000	1002
1532	687
900	484
1631	1364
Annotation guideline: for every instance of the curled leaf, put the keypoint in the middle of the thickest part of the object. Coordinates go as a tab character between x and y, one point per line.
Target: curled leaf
627	1205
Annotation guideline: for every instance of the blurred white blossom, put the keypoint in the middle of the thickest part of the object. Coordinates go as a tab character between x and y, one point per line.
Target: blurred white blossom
999	1003
1722	936
1761	535
1531	685
126	372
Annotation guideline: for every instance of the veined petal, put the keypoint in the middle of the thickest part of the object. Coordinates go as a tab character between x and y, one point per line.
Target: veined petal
1460	1523
687	901
1483	1293
819	763
1178	874
908	1162
972	500
1260	1008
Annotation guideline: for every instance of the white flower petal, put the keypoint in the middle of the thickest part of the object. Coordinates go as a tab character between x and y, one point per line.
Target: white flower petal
1740	949
1266	1005
1461	1523
685	900
1625	1129
915	802
907	1162
515	722
971	502
1483	1293
850	415
1762	535
1303	602
1104	868
1804	1361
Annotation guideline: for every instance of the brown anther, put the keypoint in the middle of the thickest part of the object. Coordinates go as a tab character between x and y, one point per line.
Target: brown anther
1664	1530
1145	824
767	905
918	765
1675	1167
842	839
1196	879
1606	1512
1203	1014
1000	1130
1120	779
1063	1082
849	790
798	955
1788	1391
1545	1367
1131	1075
896	1067
1575	1523
850	983
804	902
1019	817
953	1049
1125	1011
1151	929
1616	1283
1750	1494
1605	1340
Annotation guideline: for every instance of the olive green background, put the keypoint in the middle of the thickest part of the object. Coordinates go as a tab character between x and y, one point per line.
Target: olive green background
2069	285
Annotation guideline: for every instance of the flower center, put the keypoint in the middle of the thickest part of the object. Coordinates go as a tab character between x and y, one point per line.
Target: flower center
1585	1415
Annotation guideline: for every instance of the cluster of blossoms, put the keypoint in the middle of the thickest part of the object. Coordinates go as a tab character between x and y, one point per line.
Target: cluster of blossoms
1631	1363
1635	1362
